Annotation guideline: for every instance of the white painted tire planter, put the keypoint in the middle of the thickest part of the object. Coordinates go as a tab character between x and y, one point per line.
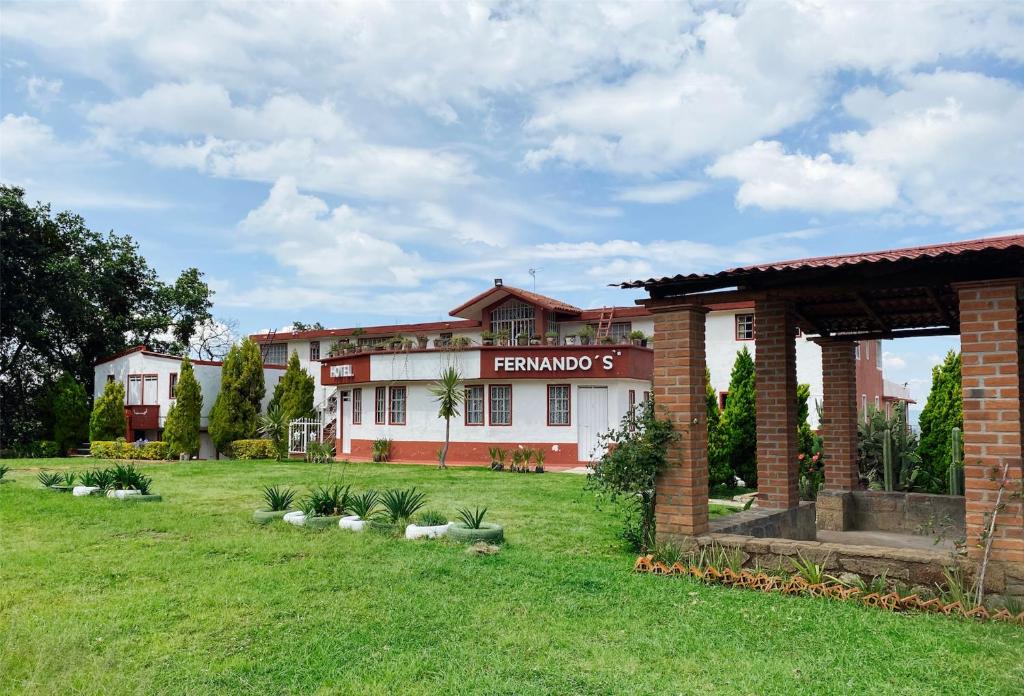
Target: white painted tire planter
122	494
80	491
488	531
353	523
414	531
298	518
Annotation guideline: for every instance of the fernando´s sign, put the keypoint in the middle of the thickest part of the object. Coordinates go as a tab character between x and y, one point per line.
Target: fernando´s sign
560	363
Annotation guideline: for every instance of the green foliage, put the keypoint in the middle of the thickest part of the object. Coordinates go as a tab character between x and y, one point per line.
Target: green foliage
71	296
70	409
49	478
107	421
278	498
3	471
472	519
69	478
872	432
126	477
253	449
294	392
235	412
812	572
119	449
365	504
740	419
181	429
40	449
99	478
382	449
719	471
273	425
498	456
941	413
448	393
956	468
634	456
431	518
402	504
326	501
320	452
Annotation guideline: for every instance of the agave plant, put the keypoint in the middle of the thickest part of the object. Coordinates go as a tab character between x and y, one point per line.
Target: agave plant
100	478
364	505
326	501
278	498
3	471
810	571
472	519
49	478
69	478
127	478
431	518
402	504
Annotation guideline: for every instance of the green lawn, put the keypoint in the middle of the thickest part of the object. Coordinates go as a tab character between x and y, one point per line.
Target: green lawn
187	596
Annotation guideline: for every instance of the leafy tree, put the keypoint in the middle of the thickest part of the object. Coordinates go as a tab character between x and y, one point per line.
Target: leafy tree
635	454
301	326
107	421
719	472
294	392
181	429
71	296
448	393
236	411
740	419
943	411
806	439
70	409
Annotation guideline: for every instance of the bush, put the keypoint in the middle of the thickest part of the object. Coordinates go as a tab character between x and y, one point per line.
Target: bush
42	449
119	449
107	420
253	449
70	405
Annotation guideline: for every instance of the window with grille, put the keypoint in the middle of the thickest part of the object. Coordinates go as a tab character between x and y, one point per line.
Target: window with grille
396	406
558	404
275	354
172	386
357	406
380	405
744	327
475	405
514	318
314	350
501	404
619	331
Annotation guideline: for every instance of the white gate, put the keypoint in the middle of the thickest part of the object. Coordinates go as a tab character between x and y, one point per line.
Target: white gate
591	421
301	432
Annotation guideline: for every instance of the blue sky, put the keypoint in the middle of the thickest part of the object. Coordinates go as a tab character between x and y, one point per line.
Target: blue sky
360	163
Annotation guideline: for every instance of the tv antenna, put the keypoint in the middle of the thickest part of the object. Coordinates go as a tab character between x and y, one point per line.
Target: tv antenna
533	274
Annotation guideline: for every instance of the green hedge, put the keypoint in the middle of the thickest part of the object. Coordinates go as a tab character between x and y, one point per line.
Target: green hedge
253	449
106	449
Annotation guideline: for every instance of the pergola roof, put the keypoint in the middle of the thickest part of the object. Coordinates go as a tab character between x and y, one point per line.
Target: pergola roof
868	295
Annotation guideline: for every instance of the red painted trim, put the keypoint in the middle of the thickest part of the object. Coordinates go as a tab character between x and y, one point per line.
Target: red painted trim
385	330
357	413
568	406
405	405
736	326
121	354
460	452
172	384
490	411
380	415
166	356
483	406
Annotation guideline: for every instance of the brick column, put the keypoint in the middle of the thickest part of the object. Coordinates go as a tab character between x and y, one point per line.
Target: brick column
775	362
681	502
834	507
990	341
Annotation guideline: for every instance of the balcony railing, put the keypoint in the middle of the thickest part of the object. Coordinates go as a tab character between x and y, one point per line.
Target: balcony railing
142	417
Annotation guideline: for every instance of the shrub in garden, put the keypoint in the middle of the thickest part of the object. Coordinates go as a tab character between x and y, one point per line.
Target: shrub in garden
401	504
431	518
278	499
273	425
43	449
943	411
740	419
382	449
719	471
253	449
320	452
294	391
119	449
236	410
107	420
326	501
49	478
3	472
181	430
365	505
471	519
125	477
70	409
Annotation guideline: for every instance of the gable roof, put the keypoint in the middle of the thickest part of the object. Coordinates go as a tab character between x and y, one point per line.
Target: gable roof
471	308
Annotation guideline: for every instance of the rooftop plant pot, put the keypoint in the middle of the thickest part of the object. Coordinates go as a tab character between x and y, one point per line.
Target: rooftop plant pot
268	516
488	532
322	522
147	498
353	523
414	531
79	491
122	494
296	517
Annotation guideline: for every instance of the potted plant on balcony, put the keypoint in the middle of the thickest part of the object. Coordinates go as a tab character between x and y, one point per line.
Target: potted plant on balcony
637	338
535	340
572	339
407	343
325	506
587	334
523	339
470	527
487	338
396	341
364	508
460	342
551	338
278	502
422	340
399	507
429	524
607	340
502	337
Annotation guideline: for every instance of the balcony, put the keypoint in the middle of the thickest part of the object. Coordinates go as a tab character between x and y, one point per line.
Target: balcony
141	417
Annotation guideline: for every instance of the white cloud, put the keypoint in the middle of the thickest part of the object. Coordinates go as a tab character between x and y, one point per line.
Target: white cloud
42	92
891	361
662	192
774	180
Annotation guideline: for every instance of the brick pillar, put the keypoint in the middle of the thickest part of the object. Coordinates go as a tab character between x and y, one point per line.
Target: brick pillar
681	503
835	506
990	341
775	362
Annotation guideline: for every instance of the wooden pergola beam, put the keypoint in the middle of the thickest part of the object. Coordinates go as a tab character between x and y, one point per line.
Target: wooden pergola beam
892	335
940	308
870	311
801	317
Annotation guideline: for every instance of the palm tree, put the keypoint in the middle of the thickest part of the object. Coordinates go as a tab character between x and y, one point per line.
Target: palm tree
274	425
448	393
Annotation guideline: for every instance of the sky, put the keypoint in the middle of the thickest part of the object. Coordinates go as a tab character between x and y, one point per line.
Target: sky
373	162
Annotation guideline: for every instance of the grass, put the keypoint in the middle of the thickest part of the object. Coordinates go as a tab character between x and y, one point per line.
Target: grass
188	596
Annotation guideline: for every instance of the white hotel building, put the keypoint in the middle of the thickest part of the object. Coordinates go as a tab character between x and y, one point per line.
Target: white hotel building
554	393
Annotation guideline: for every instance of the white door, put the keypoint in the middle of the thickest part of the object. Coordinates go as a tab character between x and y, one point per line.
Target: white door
591	421
346	419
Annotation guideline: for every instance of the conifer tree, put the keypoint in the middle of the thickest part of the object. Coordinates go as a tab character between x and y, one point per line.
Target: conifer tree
718	454
236	410
943	411
107	421
740	419
294	392
70	408
181	429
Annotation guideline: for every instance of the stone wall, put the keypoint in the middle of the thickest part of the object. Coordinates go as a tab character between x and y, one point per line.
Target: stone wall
794	523
909	513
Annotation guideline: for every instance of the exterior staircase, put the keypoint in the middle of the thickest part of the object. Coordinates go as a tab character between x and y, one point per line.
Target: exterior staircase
84	449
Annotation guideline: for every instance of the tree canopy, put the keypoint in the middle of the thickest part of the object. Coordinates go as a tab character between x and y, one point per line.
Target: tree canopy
943	411
740	417
181	429
718	453
235	412
107	421
71	296
294	392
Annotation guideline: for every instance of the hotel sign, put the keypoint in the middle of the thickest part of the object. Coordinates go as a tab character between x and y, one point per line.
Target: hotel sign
341	371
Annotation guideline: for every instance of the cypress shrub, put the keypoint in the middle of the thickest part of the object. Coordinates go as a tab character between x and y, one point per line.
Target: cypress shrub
107	421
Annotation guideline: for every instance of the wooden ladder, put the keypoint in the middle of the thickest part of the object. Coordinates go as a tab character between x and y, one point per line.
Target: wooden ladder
265	344
604	323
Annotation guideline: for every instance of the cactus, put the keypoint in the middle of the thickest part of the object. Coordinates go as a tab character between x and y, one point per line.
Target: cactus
887	471
955	464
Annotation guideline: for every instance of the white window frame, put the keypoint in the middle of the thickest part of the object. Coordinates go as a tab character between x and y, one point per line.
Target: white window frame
475	405
746	323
